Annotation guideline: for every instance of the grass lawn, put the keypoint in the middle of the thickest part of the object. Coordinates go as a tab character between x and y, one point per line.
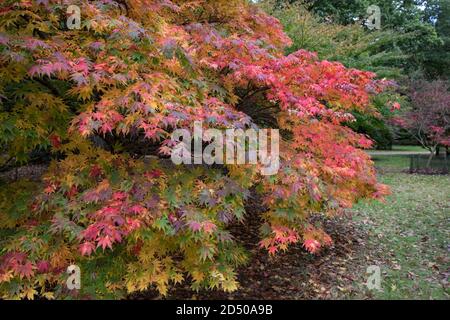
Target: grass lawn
408	148
409	234
391	163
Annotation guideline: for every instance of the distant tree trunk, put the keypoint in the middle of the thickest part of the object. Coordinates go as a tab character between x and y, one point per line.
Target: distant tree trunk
432	151
438	151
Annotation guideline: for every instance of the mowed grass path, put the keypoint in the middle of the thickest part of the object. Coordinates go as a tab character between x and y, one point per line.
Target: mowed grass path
409	233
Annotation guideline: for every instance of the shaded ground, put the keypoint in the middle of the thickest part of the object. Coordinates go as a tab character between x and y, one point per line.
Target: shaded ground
31	172
295	274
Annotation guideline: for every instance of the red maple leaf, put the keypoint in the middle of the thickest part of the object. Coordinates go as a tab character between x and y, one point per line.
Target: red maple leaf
105	242
86	248
273	249
153	174
136	209
55	140
24	269
195	225
43	266
133	224
311	245
95	171
119	195
208	227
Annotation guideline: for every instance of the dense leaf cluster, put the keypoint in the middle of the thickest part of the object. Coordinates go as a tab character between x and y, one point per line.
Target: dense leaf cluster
108	95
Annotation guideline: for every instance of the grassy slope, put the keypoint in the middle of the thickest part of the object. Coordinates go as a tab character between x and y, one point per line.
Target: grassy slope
409	233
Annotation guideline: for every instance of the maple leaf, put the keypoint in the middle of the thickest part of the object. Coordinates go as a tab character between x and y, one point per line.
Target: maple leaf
225	216
86	248
91	196
51	188
25	270
153	174
91	232
32	44
106	128
207	198
29	293
395	106
273	249
4	39
133	224
137	209
207	252
109	211
55	141
195	226
326	239
165	151
208	227
95	171
6	276
105	242
119	196
311	245
178	278
42	266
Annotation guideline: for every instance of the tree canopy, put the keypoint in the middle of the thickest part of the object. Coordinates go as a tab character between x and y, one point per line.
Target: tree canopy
104	97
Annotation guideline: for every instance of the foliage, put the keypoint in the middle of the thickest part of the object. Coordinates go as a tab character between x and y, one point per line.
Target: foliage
353	46
417	29
105	96
438	62
350	44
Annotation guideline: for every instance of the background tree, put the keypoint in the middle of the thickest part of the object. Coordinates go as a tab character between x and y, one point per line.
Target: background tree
428	118
411	44
355	47
351	44
438	62
414	24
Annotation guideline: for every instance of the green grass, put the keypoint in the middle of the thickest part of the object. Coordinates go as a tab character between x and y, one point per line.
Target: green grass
409	234
408	148
391	163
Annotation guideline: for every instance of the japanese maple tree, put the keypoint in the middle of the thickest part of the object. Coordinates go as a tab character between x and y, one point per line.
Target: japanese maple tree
108	95
428	118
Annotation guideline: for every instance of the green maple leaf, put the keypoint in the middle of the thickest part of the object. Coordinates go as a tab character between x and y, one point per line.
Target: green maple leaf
207	252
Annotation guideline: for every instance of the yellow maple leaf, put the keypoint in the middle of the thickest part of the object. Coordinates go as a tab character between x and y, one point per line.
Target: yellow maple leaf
29	293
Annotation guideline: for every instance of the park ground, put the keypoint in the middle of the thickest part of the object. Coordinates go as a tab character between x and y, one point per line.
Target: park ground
407	236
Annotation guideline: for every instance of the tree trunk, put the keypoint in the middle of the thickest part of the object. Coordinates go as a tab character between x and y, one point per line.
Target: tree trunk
429	159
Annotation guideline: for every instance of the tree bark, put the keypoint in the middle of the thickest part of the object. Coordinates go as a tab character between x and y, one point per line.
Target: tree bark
429	159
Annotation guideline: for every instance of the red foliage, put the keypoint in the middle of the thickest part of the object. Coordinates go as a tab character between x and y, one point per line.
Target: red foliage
428	119
126	80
